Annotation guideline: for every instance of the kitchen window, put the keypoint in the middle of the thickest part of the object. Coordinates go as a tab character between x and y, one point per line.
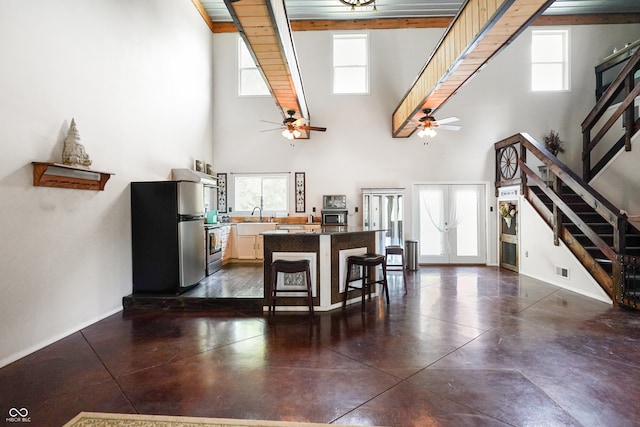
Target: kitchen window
270	189
250	80
550	60
350	64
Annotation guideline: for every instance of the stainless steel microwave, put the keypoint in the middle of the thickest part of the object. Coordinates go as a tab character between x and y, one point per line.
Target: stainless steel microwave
334	217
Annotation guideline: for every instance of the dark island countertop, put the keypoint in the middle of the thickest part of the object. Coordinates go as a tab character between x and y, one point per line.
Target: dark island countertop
330	230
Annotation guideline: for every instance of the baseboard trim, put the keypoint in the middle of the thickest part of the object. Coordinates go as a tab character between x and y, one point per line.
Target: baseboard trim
39	346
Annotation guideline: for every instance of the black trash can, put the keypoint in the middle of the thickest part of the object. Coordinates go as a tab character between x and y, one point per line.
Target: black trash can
411	251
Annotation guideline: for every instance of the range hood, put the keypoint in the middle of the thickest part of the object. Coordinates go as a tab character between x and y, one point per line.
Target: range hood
194	176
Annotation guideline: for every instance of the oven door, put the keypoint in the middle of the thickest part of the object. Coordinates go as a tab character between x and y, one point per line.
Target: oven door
214	250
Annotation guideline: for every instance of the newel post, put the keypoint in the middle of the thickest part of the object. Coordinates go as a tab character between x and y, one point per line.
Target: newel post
522	161
557	213
619	243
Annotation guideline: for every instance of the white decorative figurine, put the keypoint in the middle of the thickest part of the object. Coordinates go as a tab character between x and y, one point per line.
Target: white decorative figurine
73	153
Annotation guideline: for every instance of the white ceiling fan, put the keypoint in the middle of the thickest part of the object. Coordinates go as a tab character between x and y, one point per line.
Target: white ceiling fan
428	124
291	126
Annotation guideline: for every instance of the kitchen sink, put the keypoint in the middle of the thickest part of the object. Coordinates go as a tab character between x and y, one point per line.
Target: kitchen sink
254	228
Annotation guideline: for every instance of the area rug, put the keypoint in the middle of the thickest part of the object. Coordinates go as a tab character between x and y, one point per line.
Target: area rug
98	419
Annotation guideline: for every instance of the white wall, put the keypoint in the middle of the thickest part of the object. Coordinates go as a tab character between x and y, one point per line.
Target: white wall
539	257
137	78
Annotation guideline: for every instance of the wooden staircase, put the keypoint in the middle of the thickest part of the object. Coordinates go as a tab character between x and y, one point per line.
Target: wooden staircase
596	223
594	230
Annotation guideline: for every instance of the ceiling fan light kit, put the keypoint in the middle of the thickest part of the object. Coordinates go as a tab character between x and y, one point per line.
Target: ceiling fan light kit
427	131
291	133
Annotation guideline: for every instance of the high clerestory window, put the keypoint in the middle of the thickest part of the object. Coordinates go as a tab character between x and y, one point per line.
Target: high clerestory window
250	81
350	64
550	60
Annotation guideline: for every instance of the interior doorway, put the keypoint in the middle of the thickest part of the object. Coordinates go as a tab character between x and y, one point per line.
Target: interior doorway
451	223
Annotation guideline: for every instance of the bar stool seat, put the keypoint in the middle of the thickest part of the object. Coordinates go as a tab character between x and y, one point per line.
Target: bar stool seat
290	267
397	251
368	262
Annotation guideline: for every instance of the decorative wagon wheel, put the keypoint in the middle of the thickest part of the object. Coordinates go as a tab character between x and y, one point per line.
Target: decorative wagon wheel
508	162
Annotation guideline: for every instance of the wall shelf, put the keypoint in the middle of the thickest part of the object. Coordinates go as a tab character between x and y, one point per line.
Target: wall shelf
64	176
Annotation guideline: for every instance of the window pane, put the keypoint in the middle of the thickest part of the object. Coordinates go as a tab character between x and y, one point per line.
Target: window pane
246	61
350	51
467	230
275	193
549	60
547	48
350	63
247	193
273	189
350	80
252	83
431	208
547	77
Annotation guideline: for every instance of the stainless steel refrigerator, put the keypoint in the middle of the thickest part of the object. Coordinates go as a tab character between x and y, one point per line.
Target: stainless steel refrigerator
167	236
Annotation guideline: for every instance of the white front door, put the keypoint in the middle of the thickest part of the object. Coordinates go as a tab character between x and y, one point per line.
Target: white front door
451	223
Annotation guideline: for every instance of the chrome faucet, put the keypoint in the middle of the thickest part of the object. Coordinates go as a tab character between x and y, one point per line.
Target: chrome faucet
254	210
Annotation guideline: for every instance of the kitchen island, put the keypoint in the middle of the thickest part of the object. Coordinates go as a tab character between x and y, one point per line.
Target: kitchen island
327	250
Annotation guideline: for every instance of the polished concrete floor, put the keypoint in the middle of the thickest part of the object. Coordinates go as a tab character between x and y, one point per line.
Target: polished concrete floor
468	346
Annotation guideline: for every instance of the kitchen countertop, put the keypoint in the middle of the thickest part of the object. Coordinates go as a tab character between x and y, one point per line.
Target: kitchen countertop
215	225
330	230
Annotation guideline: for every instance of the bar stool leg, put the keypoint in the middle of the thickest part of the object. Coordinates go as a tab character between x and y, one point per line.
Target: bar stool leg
274	284
365	280
308	274
384	281
346	286
404	273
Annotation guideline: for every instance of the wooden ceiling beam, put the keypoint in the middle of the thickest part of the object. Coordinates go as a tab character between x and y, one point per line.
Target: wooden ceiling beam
438	22
265	28
481	29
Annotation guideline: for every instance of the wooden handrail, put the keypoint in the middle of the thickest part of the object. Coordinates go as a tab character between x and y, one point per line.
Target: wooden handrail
623	83
594	199
610	94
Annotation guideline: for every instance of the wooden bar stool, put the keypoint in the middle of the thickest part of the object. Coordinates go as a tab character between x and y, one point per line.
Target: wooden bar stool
396	250
368	262
290	267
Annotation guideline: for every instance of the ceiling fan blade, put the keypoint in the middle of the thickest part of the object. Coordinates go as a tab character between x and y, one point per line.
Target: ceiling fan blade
269	130
447	120
449	127
273	123
319	129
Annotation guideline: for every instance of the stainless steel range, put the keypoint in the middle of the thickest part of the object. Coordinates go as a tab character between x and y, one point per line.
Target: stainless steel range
214	248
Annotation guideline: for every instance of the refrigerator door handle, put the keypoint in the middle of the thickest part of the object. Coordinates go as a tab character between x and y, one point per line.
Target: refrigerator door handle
182	218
